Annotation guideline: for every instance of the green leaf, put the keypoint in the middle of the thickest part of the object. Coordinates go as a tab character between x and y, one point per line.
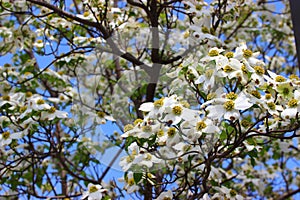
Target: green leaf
252	160
137	177
223	136
253	153
276	155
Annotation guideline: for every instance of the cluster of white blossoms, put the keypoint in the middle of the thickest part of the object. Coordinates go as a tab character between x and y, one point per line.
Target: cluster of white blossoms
235	90
23	111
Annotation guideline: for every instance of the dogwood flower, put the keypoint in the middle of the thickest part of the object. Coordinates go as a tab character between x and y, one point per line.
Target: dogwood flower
100	117
94	192
146	159
177	112
245	55
52	113
228	107
130	185
202	126
7	137
208	78
292	107
11	99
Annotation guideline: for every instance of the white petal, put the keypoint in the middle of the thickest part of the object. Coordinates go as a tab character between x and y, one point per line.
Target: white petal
232	114
215	111
146	107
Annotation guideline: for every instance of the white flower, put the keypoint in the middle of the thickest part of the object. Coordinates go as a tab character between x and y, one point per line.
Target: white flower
37	103
11	99
94	192
52	113
146	159
202	126
245	55
156	108
228	107
101	117
127	161
177	112
38	44
213	54
7	137
130	185
208	79
293	107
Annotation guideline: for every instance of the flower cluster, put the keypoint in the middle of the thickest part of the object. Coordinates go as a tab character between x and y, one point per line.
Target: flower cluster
235	90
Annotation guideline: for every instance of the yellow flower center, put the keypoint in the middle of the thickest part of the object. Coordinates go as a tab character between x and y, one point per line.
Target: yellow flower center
231	96
130	182
294	76
6	65
22	109
128	127
271	105
213	53
40	102
247	53
28	94
5	135
204	29
259	70
100	114
244	69
229	54
129	159
186	34
227	69
62	98
160	133
85	14
293	103
159	103
233	193
256	94
177	110
93	189
60	72
6	98
146	128
52	110
137	121
200	125
285	91
268	96
229	105
279	78
171	132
